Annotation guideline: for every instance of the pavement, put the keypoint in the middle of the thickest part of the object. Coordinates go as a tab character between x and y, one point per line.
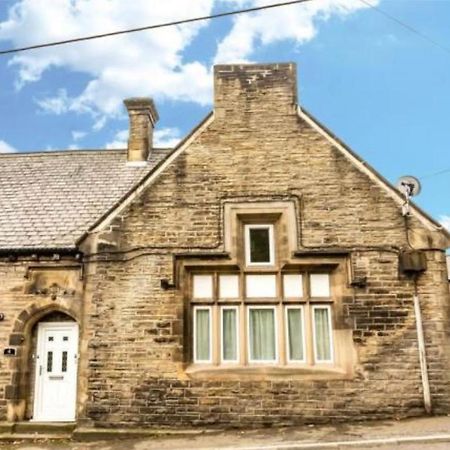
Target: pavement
412	434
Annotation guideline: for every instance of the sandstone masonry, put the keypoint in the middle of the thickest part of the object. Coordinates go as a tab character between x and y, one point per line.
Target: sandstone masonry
128	282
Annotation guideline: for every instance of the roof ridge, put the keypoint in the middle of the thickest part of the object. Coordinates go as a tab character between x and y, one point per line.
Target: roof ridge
70	152
60	152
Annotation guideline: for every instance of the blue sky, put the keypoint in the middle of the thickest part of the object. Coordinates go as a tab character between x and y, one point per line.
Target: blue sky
379	87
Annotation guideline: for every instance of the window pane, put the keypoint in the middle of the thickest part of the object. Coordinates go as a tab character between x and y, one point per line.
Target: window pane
322	336
320	285
229	286
229	334
295	334
64	362
262	286
259	245
49	361
262	334
293	286
203	286
202	337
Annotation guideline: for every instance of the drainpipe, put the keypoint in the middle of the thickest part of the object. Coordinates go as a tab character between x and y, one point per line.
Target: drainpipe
422	355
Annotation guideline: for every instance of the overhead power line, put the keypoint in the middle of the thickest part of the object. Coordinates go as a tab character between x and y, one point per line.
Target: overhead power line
216	16
435	174
151	27
406	26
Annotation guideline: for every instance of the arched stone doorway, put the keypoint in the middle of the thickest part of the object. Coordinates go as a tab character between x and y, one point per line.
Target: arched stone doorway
53	364
44	379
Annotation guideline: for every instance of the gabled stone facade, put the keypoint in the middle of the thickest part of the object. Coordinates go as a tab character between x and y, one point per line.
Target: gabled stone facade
175	253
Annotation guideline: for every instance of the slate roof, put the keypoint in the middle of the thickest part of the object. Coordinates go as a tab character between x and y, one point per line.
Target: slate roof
49	200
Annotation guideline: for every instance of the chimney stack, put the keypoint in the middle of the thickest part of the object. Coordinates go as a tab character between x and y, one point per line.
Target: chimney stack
143	116
261	93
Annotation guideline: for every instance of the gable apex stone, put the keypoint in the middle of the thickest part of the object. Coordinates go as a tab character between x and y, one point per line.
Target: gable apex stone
270	89
257	98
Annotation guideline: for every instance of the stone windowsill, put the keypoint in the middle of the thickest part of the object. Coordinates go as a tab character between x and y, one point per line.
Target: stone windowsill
265	372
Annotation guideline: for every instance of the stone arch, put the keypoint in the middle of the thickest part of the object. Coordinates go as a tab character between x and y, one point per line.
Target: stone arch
17	392
34	312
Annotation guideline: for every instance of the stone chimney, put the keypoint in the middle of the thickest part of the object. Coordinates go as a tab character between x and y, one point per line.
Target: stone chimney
143	116
266	92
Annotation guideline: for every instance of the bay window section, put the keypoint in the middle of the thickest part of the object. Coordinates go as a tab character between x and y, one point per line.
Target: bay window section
230	336
202	286
261	286
320	285
295	334
293	285
202	334
228	286
322	334
279	318
262	336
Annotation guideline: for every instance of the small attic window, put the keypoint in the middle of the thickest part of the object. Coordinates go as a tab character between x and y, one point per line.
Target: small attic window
259	245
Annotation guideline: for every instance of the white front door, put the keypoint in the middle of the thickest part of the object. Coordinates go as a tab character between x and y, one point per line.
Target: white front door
55	390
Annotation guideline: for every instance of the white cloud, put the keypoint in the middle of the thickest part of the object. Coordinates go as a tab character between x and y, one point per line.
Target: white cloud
99	123
56	105
150	63
297	23
445	221
6	148
78	135
119	141
165	137
136	64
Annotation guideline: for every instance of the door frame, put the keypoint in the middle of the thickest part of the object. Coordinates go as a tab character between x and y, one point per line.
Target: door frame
38	382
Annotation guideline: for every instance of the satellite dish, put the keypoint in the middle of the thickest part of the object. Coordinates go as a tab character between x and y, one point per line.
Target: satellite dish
409	186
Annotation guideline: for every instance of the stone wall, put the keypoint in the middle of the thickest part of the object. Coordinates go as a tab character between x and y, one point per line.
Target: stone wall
134	368
136	371
30	290
12	304
257	147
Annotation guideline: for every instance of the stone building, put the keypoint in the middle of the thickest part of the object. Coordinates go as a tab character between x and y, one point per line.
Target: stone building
448	267
260	273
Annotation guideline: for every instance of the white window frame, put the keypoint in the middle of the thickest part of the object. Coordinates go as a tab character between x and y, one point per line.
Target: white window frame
209	309
262	361
286	324
238	340
330	330
248	261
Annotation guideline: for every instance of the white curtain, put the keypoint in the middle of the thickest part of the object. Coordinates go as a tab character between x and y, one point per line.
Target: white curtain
322	338
295	334
202	340
229	334
262	334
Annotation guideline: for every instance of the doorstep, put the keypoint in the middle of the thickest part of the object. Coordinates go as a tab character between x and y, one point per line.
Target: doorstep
36	430
102	434
6	427
69	430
